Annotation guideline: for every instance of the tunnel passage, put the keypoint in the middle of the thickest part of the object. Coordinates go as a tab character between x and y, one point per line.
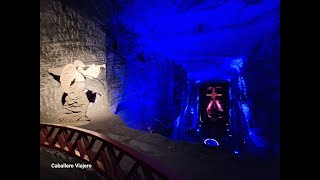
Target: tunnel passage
214	110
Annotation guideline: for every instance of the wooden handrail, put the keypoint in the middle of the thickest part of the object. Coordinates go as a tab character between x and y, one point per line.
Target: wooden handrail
104	153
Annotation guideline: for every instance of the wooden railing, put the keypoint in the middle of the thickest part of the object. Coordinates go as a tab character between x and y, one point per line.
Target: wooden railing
109	157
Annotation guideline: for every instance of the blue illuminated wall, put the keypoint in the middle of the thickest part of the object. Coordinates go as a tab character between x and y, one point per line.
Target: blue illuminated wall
169	45
148	99
154	87
187	29
263	81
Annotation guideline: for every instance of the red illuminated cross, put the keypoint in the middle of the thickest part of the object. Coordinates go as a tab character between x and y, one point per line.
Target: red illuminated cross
214	94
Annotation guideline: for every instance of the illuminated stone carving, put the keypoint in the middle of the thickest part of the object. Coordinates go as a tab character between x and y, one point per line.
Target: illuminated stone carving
72	78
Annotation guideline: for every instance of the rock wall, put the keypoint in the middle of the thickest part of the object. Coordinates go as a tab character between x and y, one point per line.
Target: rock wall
263	81
147	91
154	85
68	33
152	98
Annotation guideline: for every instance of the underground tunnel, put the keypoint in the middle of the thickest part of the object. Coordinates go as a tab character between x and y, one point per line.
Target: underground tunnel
193	84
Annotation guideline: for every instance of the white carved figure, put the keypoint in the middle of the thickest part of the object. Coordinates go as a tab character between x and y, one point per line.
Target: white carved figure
72	80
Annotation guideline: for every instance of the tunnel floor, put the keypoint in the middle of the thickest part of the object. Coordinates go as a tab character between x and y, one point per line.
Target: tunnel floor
194	161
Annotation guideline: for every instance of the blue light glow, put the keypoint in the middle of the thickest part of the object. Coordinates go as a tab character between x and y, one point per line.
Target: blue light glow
211	142
257	140
194	35
237	64
246	111
210	40
177	121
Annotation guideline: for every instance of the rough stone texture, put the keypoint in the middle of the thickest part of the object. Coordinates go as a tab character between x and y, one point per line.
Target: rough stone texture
146	91
67	34
116	75
154	85
263	80
263	74
148	101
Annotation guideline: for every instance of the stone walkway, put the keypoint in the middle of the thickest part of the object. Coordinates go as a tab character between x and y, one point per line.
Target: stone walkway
193	161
